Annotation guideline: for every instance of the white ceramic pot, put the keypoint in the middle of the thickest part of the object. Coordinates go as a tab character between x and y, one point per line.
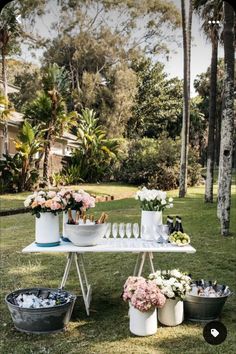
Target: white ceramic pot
149	220
172	314
65	220
47	229
142	323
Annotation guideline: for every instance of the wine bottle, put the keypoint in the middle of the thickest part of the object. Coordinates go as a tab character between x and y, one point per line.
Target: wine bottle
215	285
225	290
170	223
178	224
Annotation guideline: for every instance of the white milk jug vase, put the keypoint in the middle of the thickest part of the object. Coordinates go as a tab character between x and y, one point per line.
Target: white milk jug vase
47	230
142	323
172	314
149	221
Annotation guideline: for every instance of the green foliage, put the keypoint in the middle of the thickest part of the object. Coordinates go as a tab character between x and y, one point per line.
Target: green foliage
10	30
71	175
155	163
11	174
93	160
158	102
18	172
27	77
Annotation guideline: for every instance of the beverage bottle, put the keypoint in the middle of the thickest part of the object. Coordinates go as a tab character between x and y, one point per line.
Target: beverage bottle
215	285
70	218
225	290
178	224
194	288
170	223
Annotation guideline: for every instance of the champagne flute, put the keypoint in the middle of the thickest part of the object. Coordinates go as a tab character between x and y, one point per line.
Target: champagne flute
114	230
136	230
108	230
122	230
128	229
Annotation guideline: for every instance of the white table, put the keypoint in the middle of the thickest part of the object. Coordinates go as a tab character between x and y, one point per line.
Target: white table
144	249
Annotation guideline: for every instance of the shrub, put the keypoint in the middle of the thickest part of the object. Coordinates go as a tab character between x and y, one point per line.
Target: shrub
11	174
155	163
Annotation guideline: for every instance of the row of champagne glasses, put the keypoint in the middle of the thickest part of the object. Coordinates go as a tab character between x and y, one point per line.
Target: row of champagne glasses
122	230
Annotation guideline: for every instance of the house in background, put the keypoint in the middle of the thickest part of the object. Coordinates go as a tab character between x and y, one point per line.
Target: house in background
63	146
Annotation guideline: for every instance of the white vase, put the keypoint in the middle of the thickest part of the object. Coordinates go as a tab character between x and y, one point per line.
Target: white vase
142	323
47	229
65	219
149	220
172	314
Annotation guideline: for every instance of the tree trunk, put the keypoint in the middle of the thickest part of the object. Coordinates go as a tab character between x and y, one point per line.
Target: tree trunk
186	29
47	147
5	91
227	125
212	121
54	96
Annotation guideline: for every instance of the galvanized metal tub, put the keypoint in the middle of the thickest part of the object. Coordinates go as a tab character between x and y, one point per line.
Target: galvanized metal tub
40	320
204	309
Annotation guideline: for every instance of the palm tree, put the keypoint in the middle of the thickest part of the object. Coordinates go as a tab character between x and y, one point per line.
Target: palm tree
186	29
28	143
227	126
211	11
49	110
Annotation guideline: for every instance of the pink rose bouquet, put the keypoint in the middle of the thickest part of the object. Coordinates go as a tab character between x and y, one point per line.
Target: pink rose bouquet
143	294
77	200
42	201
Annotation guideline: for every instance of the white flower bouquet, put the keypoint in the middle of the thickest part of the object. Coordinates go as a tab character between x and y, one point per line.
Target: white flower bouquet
153	199
173	283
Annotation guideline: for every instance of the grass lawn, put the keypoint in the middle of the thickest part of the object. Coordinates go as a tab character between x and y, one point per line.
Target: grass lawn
106	331
118	190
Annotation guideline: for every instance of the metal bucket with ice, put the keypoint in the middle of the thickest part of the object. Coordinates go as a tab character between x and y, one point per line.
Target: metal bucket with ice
40	310
205	301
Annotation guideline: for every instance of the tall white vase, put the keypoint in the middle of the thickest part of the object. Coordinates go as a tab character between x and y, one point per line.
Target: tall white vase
47	229
142	323
172	314
65	219
149	220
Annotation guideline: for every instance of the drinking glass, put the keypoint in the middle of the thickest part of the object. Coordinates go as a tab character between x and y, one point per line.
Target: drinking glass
136	230
108	230
164	232
128	229
114	230
122	230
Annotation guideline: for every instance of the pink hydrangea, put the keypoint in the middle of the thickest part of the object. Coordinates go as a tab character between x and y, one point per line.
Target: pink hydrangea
143	294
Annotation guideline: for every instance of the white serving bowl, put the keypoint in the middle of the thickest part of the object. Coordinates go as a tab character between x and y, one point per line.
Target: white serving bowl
85	235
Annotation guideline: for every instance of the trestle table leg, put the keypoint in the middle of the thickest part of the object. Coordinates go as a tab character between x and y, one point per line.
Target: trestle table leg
67	269
85	287
150	255
140	263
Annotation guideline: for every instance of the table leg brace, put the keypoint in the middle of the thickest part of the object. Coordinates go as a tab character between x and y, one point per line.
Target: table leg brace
85	288
70	258
140	263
